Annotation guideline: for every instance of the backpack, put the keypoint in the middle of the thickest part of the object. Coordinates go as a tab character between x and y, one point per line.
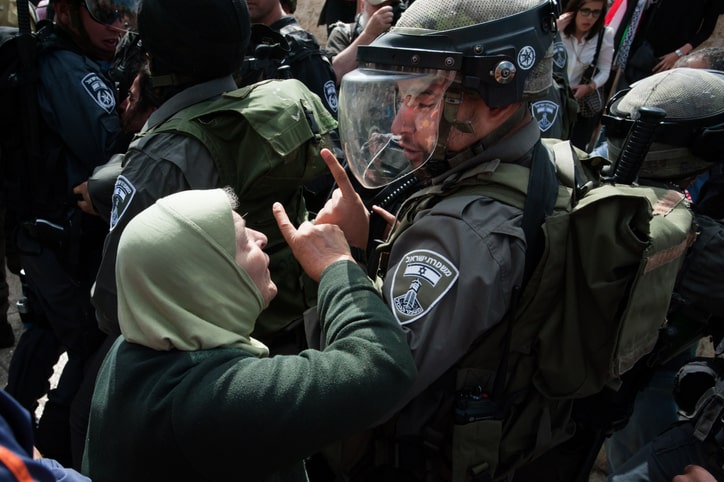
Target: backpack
294	53
592	306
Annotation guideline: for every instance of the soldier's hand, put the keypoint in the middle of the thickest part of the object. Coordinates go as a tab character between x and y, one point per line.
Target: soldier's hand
387	216
85	204
314	246
345	208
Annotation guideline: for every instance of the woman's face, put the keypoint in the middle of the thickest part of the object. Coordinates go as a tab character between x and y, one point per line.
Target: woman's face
587	15
252	259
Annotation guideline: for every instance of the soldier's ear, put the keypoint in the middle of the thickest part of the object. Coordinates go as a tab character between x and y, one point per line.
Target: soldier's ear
64	13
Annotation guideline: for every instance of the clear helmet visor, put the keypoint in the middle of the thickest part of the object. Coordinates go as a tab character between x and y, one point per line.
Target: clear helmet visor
388	121
119	13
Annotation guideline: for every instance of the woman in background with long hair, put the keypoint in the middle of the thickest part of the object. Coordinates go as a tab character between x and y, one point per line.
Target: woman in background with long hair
580	24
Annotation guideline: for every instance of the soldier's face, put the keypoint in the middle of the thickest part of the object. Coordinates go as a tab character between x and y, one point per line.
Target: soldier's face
261	10
132	116
99	40
418	118
103	38
419	106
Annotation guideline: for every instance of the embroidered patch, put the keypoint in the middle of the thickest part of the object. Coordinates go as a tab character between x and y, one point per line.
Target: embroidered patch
330	93
560	55
99	92
526	57
545	113
123	193
420	281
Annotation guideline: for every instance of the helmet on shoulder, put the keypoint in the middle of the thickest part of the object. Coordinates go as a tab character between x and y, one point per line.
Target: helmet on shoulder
691	136
438	52
192	41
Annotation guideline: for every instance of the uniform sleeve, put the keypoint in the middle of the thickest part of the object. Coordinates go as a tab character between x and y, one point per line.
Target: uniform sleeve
292	406
165	165
450	278
80	106
339	38
101	184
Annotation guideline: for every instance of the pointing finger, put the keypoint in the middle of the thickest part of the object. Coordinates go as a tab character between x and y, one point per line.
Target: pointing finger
339	174
285	226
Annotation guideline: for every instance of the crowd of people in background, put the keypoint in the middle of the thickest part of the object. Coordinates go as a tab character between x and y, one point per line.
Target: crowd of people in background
200	242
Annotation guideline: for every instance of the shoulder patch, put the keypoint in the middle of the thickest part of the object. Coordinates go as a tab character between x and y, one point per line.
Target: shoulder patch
123	193
330	93
545	113
99	92
560	55
421	280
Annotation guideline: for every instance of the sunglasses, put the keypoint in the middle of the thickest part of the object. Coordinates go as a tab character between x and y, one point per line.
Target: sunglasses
587	12
108	13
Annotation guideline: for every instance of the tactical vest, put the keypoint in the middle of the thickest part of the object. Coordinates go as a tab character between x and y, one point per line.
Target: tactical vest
265	140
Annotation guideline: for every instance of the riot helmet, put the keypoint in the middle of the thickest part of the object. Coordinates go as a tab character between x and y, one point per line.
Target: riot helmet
690	138
190	41
439	53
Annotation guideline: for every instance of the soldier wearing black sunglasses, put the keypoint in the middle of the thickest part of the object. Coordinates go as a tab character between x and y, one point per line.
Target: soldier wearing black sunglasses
60	247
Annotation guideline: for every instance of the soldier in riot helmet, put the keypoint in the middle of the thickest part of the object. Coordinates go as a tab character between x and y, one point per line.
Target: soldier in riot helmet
78	128
688	142
445	95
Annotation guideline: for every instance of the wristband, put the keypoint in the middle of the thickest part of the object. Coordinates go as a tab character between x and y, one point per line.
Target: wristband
679	53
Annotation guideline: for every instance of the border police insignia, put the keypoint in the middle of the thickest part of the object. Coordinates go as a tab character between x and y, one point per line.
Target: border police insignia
526	57
99	92
560	55
123	193
545	113
420	281
330	93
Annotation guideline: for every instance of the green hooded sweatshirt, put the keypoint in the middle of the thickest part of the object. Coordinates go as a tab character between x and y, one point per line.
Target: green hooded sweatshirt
186	395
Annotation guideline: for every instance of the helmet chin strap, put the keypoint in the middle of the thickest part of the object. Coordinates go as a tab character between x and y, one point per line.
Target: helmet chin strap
443	160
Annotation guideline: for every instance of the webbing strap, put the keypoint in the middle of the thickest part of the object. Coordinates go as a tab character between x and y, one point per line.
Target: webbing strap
15	465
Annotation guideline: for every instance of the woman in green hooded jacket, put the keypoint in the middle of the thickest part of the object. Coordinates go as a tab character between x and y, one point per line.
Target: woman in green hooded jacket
186	394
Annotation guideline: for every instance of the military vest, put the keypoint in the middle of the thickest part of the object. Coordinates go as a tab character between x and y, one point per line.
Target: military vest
265	140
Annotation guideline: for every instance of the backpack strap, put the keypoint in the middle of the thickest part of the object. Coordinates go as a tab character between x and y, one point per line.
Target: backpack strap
540	200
